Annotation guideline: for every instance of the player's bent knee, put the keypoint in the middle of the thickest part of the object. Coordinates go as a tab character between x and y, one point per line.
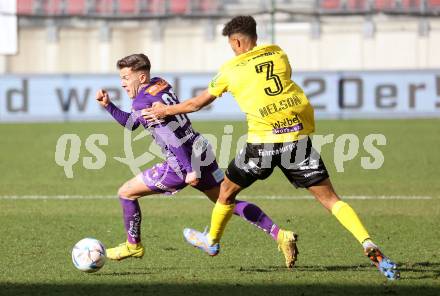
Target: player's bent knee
226	199
228	192
126	193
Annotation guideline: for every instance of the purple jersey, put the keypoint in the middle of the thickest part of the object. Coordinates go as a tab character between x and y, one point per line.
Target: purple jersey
173	134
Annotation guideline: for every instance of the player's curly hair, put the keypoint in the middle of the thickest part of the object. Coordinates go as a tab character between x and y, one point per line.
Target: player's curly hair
244	24
137	62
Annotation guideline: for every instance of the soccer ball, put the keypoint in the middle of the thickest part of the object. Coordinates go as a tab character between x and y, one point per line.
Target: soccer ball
88	255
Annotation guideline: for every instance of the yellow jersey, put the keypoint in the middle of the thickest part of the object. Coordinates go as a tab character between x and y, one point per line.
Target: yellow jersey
277	110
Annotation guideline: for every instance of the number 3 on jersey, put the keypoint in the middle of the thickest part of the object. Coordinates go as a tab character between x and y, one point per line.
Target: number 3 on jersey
268	66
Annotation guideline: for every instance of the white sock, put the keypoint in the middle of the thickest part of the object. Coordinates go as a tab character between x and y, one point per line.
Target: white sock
368	243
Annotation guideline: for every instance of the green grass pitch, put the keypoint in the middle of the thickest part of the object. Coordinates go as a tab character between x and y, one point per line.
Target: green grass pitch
38	234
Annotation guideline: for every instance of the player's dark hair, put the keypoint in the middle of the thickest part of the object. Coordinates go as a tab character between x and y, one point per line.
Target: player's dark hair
137	62
243	24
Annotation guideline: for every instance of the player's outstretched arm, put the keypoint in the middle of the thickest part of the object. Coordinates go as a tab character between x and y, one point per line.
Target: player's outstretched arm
125	119
159	110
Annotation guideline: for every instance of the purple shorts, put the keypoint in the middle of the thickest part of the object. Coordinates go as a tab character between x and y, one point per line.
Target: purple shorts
162	178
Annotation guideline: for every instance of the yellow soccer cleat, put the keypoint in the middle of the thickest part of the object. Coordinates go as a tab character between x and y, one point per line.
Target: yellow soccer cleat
126	250
287	243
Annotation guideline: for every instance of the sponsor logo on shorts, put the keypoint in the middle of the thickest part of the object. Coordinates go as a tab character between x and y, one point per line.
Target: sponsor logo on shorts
161	186
264	152
251	166
314	173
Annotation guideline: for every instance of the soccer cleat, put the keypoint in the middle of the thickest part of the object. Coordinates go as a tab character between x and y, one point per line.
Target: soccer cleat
126	250
287	243
201	241
387	267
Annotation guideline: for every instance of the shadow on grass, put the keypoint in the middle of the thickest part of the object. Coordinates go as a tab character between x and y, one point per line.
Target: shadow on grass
418	270
413	271
422	270
190	289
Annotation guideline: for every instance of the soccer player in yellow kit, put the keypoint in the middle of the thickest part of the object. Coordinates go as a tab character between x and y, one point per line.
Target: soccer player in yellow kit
280	120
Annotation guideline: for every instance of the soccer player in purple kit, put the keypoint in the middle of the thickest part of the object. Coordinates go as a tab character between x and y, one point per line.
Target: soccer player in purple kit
179	143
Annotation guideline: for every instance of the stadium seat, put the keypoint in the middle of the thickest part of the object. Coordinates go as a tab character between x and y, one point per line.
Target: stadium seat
128	6
410	4
53	7
156	6
433	3
76	7
357	5
179	6
209	6
330	4
103	6
384	4
169	6
25	6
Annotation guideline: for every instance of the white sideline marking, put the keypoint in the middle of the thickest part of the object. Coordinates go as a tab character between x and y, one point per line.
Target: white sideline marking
257	197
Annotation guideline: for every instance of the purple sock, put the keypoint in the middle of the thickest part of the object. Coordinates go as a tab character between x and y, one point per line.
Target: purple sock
257	217
132	219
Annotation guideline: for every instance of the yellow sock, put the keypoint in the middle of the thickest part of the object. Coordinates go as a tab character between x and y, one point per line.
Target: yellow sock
133	246
220	217
348	218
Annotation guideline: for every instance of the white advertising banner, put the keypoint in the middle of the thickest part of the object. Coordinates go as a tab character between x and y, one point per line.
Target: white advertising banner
361	94
369	94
